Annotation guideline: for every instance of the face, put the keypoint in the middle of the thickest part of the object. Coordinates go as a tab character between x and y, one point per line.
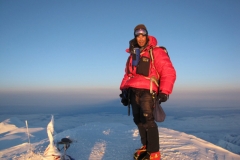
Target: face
141	40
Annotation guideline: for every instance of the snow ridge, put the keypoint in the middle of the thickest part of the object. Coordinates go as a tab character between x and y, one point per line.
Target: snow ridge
110	141
231	142
10	124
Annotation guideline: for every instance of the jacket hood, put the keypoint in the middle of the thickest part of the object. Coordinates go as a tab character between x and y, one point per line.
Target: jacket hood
152	42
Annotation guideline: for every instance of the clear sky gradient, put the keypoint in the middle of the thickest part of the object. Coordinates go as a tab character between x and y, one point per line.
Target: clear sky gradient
59	46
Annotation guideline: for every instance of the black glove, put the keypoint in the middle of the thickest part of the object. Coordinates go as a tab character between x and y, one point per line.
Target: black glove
124	97
162	97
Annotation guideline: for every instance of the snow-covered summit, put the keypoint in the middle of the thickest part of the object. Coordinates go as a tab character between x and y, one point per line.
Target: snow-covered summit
113	140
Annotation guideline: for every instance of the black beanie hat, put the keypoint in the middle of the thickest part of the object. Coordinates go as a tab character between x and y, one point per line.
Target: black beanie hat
140	26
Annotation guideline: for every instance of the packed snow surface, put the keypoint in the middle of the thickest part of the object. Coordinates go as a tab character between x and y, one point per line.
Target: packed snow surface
103	138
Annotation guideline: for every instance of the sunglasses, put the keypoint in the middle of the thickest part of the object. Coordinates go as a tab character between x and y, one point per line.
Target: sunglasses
140	31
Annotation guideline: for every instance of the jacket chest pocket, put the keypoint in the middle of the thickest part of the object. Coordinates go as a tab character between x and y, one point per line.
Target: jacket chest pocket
143	66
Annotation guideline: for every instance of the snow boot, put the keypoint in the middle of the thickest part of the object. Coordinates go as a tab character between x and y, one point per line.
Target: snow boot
152	156
140	152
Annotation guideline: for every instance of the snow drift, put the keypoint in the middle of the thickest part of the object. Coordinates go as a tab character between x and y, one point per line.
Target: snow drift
113	140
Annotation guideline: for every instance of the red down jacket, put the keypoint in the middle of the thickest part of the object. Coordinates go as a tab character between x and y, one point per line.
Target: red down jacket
163	65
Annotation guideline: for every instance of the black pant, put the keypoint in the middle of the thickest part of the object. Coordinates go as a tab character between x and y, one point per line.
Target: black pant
142	109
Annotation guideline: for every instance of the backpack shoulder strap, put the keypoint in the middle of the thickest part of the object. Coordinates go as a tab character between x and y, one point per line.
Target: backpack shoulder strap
151	54
152	57
153	79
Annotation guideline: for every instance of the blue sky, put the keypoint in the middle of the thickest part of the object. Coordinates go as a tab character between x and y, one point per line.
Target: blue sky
79	46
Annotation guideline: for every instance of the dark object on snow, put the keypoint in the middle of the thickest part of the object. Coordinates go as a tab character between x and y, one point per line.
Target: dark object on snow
66	144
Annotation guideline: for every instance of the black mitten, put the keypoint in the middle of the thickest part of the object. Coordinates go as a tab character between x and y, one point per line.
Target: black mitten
124	97
162	97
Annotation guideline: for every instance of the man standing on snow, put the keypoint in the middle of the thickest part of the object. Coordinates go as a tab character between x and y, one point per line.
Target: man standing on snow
148	76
